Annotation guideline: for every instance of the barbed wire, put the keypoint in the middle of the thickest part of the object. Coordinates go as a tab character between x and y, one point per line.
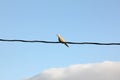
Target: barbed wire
39	41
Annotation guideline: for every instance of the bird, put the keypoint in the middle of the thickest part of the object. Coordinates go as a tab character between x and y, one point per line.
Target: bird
62	40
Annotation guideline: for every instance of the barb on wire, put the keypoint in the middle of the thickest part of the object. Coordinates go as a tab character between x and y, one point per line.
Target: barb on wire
39	41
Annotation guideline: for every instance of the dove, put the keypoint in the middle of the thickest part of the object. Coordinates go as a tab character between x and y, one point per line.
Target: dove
62	40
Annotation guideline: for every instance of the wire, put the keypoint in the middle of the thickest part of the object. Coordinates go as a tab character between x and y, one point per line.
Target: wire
30	41
39	41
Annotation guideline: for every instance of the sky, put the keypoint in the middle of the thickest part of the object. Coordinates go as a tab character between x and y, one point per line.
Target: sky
75	20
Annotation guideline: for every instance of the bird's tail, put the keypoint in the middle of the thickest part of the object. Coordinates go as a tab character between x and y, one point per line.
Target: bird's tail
66	44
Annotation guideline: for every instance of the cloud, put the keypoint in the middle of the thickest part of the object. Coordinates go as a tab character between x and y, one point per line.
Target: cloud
98	71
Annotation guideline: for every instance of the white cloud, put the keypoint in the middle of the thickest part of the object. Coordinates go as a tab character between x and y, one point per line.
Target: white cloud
98	71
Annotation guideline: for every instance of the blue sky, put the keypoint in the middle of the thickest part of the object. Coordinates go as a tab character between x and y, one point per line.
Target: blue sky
76	20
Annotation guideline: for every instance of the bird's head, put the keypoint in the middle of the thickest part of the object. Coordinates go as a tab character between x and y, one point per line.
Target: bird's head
58	35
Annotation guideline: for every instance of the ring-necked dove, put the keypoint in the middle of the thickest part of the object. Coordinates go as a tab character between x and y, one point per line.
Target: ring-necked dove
62	40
